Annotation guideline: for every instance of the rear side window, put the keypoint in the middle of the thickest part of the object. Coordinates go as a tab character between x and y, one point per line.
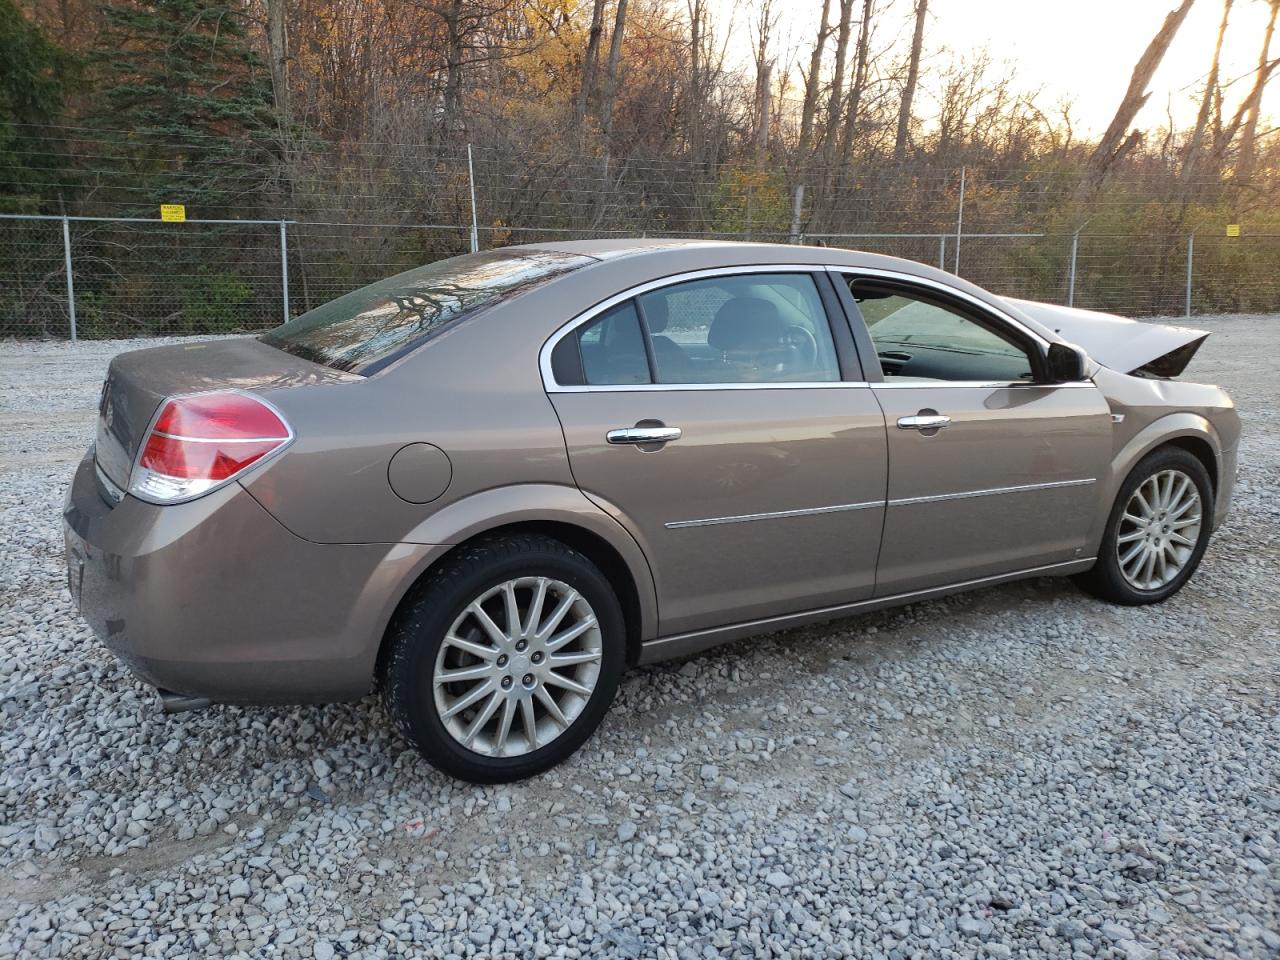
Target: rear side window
743	328
370	327
612	347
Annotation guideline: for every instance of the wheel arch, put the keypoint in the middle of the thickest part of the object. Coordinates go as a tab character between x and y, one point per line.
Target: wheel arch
561	513
1187	431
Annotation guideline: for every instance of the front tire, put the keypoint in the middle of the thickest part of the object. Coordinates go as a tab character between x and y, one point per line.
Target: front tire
1157	531
506	659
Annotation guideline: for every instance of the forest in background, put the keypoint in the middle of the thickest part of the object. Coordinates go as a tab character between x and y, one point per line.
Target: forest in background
352	120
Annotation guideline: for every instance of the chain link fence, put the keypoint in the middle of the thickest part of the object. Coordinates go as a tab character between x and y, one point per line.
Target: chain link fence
109	275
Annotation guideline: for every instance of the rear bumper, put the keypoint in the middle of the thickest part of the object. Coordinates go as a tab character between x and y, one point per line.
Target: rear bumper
214	598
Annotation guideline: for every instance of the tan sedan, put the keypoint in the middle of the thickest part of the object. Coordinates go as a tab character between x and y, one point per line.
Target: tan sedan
489	484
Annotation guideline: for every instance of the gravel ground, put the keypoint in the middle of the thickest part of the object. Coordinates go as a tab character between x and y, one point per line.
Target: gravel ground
1020	771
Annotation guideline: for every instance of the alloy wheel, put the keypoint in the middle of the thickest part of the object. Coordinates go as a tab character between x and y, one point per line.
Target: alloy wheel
1159	529
517	667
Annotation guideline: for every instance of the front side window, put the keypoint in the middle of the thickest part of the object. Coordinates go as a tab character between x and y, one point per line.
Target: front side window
917	337
369	327
744	328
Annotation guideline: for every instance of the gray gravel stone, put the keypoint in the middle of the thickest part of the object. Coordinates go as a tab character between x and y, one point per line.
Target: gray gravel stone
1122	804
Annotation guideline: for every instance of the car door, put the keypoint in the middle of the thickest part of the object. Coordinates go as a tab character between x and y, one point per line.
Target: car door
724	420
992	469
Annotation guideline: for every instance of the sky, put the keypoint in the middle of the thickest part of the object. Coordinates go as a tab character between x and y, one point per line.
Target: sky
1083	50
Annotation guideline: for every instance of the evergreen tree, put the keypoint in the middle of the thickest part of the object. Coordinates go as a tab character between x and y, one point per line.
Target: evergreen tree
35	74
187	100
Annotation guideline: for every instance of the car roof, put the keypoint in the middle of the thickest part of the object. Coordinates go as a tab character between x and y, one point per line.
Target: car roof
735	250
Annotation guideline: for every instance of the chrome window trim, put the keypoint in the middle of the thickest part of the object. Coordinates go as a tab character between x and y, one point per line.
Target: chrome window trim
991	491
911	279
679	387
544	355
991	384
775	515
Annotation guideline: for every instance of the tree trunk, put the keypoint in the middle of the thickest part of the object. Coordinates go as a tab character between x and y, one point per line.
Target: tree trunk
1206	102
913	75
1115	143
278	52
835	99
812	84
862	57
611	72
762	114
693	108
1244	165
452	16
589	62
764	78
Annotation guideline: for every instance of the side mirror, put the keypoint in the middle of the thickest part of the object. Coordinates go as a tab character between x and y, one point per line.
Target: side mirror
1065	363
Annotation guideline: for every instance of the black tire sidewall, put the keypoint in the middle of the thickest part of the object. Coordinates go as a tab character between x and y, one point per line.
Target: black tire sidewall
420	633
1114	584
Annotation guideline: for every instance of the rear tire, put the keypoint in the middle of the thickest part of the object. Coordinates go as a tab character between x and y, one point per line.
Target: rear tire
1157	531
505	659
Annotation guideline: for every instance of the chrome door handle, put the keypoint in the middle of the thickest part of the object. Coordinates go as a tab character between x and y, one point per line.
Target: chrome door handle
643	435
920	422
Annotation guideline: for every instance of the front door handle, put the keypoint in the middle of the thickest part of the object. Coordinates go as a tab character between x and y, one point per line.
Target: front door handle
930	422
643	435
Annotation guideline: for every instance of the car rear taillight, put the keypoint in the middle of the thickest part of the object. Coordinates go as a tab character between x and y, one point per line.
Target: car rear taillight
202	441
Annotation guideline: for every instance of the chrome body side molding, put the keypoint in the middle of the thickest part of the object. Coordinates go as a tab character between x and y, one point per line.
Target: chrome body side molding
993	491
774	515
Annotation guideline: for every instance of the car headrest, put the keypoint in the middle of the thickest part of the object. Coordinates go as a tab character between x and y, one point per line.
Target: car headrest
656	313
745	323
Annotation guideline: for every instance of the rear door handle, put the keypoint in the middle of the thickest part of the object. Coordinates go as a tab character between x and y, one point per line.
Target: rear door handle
935	421
643	435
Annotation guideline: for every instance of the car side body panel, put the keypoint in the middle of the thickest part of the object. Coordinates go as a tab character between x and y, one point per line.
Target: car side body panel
213	598
1010	483
771	500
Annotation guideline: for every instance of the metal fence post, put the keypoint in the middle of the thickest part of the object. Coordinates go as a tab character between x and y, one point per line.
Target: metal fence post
71	284
1071	273
942	251
796	204
1191	256
959	223
284	268
471	177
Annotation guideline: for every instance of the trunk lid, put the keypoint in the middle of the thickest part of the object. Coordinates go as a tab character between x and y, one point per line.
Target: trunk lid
138	381
1128	346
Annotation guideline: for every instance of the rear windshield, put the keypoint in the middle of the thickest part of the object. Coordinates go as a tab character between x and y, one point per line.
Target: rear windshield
368	328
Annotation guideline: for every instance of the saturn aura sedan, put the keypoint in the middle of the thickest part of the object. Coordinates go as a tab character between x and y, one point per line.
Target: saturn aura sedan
487	485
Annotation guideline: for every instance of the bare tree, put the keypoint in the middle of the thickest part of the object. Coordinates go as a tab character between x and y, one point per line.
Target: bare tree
913	75
1244	165
278	54
611	71
1206	102
694	95
861	60
835	99
812	83
589	62
1115	143
764	73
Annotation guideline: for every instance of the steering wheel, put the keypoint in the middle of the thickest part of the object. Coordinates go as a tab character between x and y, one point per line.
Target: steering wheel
804	343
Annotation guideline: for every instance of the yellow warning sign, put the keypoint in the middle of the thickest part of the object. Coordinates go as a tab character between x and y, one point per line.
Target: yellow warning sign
1233	229
173	212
